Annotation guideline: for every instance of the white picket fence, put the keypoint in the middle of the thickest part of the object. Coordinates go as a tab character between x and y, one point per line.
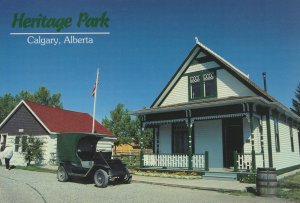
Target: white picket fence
244	161
173	161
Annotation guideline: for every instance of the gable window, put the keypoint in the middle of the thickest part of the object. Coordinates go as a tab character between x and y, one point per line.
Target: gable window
202	85
292	138
276	130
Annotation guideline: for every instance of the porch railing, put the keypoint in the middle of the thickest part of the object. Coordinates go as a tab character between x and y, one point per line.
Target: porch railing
174	160
248	161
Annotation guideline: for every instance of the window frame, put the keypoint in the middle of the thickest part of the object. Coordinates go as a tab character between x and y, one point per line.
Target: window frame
292	138
202	84
276	132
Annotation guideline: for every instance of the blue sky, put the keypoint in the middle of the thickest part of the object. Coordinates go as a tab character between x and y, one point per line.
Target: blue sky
147	43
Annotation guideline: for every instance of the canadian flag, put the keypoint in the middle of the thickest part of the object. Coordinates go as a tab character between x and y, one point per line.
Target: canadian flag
94	90
96	84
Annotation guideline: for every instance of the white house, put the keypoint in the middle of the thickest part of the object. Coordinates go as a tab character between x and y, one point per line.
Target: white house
47	122
211	115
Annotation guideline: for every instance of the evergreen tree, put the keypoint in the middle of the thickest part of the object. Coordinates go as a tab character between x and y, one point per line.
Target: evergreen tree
125	128
42	96
296	101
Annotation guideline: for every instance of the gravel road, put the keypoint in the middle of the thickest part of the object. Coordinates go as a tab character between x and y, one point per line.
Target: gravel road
25	186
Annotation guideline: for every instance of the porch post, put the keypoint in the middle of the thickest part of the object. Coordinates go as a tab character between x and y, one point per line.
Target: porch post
252	139
190	128
142	144
269	138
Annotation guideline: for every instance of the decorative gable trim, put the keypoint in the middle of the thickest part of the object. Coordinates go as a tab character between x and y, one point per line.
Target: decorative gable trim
209	55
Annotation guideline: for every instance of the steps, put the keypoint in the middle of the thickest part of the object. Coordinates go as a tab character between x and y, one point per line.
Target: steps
225	176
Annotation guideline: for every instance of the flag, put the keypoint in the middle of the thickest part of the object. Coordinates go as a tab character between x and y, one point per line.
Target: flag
94	90
95	85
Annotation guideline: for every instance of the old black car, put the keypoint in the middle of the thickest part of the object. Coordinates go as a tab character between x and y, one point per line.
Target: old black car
77	157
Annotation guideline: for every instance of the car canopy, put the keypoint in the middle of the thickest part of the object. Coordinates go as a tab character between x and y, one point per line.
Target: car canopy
69	144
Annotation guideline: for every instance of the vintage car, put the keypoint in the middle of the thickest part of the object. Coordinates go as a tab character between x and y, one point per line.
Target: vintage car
77	157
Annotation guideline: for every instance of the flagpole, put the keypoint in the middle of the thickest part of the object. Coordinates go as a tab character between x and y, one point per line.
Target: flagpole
95	99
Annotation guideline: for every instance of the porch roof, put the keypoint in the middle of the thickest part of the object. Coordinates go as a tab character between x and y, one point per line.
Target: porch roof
206	103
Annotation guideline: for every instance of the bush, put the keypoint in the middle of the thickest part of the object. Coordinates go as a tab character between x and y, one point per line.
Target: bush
32	150
246	177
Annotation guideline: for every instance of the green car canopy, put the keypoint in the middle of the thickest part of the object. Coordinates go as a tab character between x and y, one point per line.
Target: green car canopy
69	144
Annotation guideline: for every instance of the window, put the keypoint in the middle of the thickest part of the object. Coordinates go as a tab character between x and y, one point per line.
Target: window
17	143
292	138
24	140
180	139
202	85
276	130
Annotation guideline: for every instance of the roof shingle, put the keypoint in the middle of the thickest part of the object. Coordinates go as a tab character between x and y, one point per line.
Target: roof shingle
65	121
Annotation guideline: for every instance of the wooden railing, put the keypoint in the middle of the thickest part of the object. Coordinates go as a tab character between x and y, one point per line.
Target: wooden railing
248	161
174	160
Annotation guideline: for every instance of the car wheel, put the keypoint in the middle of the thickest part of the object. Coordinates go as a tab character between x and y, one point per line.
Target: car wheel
62	174
101	178
128	177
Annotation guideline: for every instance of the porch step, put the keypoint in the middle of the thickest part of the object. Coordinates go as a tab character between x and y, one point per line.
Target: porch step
226	176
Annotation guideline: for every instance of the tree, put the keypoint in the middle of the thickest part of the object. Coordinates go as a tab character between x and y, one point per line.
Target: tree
125	128
32	149
42	96
7	103
296	101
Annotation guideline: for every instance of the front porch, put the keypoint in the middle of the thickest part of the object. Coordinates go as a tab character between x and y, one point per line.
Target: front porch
232	134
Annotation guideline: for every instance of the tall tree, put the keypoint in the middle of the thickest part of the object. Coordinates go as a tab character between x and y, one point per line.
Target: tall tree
42	96
296	101
125	128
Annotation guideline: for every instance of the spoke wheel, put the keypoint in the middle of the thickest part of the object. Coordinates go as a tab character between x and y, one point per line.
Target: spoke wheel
62	175
101	178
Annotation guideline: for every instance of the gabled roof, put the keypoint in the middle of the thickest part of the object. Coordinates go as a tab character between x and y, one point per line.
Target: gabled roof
57	120
242	77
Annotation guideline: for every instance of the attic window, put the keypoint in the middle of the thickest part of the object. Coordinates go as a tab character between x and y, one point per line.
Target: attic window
202	85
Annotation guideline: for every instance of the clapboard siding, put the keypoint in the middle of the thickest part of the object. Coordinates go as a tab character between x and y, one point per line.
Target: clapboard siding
165	132
208	137
202	66
285	158
179	93
247	136
48	147
23	119
228	85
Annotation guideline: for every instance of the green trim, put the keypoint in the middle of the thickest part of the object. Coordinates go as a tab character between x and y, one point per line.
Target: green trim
252	139
269	139
287	169
235	161
276	132
173	77
190	145
292	138
201	84
206	161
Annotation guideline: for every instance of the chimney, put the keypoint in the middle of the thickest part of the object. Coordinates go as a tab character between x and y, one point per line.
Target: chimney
265	81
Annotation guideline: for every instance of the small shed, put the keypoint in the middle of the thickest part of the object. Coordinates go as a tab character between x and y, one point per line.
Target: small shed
47	123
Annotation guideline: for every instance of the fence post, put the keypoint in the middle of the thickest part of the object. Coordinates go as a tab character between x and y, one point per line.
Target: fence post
206	161
235	161
253	161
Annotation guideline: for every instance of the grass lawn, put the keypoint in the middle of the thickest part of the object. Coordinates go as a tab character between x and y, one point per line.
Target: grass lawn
35	168
289	187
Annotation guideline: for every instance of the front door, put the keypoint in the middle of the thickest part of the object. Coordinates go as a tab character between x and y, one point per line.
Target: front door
232	139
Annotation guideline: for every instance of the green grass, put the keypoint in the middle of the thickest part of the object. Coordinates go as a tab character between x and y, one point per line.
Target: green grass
289	187
36	169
